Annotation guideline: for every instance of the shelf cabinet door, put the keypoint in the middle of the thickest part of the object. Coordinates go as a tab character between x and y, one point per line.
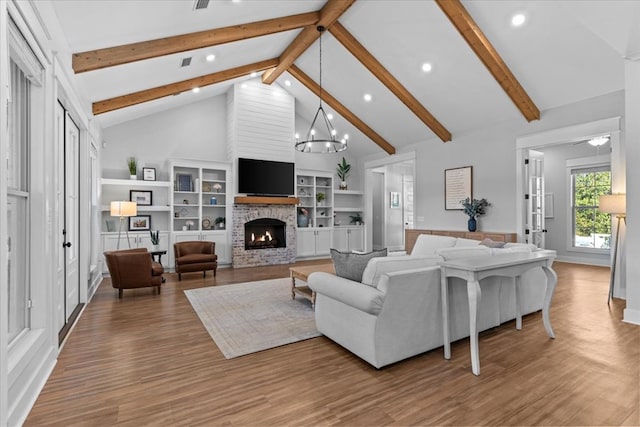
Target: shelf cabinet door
356	239
341	239
323	241
306	242
222	245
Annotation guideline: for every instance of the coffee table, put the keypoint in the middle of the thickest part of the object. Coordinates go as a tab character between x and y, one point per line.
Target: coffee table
303	273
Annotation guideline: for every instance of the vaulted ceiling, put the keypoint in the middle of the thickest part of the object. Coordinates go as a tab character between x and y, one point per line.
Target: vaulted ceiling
128	54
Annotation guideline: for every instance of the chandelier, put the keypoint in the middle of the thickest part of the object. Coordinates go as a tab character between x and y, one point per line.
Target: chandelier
314	143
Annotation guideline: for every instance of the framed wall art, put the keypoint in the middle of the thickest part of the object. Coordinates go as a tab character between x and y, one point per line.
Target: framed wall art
394	200
140	223
457	187
149	174
142	198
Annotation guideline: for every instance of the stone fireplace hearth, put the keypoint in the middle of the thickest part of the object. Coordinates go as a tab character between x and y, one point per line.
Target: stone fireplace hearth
259	215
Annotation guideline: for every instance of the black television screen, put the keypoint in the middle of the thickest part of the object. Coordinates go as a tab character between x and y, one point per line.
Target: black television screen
265	177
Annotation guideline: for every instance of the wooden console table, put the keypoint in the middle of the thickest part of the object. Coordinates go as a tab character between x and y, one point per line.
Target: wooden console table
411	235
475	269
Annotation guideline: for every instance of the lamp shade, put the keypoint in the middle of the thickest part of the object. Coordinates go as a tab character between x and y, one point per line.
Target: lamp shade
122	208
613	203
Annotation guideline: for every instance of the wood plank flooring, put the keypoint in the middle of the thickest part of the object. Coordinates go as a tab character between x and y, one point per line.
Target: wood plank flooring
147	360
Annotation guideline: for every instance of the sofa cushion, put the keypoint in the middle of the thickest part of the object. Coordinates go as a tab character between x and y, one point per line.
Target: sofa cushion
376	267
519	249
531	246
463	242
351	265
427	244
463	252
492	243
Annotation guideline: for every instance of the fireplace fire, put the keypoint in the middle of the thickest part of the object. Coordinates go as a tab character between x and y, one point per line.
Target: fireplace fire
265	233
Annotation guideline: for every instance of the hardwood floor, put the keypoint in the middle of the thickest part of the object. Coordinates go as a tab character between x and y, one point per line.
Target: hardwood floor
147	360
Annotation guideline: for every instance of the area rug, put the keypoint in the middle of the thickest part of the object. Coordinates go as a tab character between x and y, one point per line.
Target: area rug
248	317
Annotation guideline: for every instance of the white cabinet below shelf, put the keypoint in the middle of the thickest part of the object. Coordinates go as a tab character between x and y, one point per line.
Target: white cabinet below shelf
313	241
347	239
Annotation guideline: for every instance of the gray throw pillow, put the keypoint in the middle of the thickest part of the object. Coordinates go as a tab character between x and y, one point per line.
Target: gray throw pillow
492	244
351	265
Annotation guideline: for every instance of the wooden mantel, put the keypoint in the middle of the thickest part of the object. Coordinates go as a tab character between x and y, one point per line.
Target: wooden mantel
264	200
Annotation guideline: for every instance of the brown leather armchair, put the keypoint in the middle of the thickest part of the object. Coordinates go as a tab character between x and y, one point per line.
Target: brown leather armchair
133	268
195	255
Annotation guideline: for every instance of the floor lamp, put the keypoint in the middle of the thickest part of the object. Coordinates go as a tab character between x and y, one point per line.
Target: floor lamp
123	210
614	204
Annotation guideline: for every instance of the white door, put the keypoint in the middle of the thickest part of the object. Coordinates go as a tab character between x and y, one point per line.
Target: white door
534	199
59	209
71	231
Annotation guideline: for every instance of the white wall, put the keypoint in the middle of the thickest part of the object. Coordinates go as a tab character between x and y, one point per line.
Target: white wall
195	131
556	182
632	242
492	153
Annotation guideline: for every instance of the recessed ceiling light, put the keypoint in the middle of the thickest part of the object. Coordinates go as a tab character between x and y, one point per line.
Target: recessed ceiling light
426	67
367	97
195	90
243	85
254	74
287	82
518	20
211	57
330	116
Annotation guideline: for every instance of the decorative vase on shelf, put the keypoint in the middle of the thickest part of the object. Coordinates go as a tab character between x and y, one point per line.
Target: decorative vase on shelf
303	220
343	185
156	248
133	177
472	224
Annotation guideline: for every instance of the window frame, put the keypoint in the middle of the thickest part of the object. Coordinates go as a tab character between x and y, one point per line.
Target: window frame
584	164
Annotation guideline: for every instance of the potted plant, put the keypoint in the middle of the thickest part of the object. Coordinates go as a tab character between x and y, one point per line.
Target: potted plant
155	239
132	165
474	208
219	222
356	219
320	197
343	172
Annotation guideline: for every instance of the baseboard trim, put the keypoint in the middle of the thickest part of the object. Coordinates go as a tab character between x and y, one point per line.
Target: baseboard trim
631	316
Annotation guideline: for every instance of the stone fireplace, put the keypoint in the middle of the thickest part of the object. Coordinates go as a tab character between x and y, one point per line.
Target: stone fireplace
274	234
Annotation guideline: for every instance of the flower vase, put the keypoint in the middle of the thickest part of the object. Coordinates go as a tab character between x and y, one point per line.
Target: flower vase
472	224
303	221
156	248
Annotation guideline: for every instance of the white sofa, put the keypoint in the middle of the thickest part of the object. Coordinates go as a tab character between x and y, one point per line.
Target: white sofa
396	311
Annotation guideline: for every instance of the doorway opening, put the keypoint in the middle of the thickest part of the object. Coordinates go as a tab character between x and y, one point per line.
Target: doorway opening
389	201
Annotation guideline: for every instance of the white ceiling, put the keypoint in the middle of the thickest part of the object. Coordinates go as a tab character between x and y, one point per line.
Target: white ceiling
567	51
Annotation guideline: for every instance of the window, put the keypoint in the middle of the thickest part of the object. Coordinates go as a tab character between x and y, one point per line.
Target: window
591	228
25	89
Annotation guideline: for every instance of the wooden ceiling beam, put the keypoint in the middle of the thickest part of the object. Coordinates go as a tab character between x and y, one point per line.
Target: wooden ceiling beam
329	14
124	54
128	100
341	109
467	27
378	70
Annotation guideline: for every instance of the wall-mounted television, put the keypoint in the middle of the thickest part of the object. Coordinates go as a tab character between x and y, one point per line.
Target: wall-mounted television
266	177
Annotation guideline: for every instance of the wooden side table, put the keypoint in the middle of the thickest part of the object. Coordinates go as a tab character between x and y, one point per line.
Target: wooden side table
303	273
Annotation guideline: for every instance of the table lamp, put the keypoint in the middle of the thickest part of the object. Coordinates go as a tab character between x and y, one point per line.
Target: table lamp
123	209
614	204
